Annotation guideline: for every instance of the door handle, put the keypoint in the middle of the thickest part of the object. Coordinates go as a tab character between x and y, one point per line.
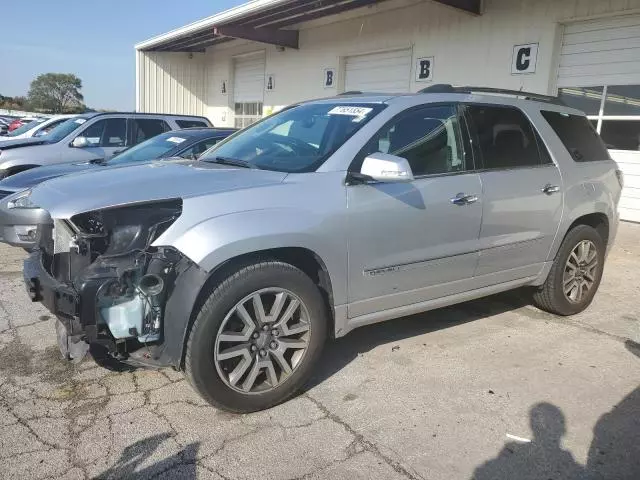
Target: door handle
464	199
550	189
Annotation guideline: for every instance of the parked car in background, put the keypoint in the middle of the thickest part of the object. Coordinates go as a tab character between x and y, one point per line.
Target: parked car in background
36	128
17	227
19	122
325	217
4	126
89	136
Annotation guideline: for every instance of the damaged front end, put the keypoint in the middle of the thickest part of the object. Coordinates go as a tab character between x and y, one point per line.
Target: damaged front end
100	275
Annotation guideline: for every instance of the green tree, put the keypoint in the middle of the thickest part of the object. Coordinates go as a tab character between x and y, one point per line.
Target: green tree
56	92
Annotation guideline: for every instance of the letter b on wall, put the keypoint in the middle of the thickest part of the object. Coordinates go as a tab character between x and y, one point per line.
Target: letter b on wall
424	69
524	59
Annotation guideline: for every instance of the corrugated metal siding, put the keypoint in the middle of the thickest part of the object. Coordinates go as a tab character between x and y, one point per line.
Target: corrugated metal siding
467	49
248	78
379	72
601	52
171	83
629	163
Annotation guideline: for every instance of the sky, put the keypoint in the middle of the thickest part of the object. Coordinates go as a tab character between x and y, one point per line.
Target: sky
92	39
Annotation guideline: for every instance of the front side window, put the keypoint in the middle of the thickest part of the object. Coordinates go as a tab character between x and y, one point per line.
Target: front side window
199	148
505	137
110	132
298	139
577	135
428	138
151	149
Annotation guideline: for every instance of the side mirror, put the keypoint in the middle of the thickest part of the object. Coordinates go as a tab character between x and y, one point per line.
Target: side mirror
383	167
80	142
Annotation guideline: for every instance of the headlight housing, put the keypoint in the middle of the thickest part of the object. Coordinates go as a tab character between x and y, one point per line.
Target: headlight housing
21	200
124	229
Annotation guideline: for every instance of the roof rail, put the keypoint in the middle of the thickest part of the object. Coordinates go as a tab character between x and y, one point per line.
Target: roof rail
446	88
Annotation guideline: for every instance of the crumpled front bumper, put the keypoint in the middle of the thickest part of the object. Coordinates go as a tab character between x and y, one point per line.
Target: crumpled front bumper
81	327
63	301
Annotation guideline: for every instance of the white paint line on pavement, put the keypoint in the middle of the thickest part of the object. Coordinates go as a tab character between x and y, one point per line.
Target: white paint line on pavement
518	439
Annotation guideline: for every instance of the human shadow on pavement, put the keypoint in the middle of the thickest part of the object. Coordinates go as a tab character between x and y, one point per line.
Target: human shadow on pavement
615	449
614	453
138	454
542	458
339	353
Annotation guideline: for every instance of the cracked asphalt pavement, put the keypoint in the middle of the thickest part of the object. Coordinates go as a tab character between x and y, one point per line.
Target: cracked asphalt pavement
491	389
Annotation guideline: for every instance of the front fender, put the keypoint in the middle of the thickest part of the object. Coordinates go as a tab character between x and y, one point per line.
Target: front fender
219	239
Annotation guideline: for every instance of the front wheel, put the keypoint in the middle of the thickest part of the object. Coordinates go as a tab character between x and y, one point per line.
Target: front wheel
257	337
575	275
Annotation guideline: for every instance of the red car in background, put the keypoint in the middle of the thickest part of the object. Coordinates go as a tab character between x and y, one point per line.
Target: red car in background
18	122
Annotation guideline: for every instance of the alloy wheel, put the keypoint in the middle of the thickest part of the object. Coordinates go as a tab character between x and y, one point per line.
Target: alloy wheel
580	271
262	340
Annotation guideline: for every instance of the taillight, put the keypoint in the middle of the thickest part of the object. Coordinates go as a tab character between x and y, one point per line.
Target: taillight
620	176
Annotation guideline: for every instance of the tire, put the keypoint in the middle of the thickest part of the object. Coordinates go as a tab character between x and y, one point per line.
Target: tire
551	295
211	377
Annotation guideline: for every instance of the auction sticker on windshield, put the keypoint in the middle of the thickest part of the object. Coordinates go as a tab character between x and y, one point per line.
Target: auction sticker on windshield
351	111
80	121
175	139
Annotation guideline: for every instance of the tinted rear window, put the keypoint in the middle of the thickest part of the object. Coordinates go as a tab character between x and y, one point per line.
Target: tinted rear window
191	123
578	136
505	136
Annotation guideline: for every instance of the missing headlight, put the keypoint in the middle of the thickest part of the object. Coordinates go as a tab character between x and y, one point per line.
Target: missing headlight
117	230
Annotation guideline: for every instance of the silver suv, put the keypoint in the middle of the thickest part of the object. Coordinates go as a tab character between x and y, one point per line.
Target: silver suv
327	216
88	137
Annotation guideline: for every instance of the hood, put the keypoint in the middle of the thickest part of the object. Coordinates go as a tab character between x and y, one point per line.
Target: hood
35	176
22	142
69	195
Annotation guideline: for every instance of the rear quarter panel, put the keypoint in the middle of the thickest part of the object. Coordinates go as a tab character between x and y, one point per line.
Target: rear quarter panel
589	187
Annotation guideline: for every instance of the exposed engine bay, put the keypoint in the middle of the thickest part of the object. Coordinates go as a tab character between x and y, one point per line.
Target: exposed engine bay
110	285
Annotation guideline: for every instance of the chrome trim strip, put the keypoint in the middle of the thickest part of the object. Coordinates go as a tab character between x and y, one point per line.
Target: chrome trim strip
377	271
374	272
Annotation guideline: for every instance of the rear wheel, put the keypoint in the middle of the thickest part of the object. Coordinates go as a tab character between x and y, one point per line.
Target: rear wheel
257	337
575	275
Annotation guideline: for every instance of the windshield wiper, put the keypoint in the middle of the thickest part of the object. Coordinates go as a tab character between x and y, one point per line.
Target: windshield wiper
98	161
236	162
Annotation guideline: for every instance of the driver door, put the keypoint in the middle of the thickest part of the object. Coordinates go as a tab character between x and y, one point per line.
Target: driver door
413	242
105	137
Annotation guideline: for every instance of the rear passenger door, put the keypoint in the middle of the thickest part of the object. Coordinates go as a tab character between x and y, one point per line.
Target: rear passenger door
521	191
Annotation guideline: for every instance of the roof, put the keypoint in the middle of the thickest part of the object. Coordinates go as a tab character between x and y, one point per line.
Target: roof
265	21
258	20
139	114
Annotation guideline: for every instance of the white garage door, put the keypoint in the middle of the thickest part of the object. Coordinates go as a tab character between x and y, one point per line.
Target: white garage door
387	72
600	74
248	88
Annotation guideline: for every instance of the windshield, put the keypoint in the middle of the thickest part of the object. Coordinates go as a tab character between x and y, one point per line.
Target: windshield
24	128
150	149
298	139
64	129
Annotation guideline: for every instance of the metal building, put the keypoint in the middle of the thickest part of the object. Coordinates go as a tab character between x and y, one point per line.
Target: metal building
244	63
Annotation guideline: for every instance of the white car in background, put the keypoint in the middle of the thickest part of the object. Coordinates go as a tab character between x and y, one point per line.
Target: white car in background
36	127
